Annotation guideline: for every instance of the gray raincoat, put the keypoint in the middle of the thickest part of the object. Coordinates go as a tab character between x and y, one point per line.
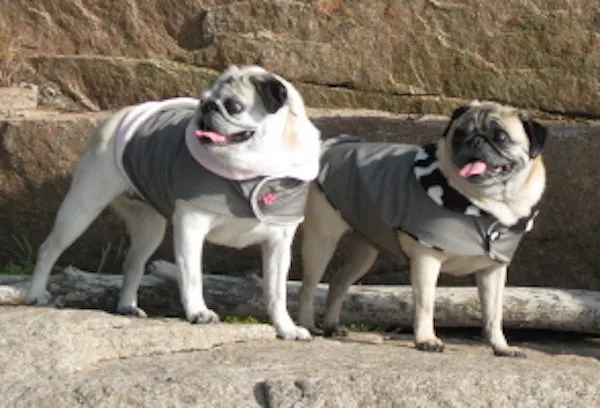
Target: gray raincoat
374	187
161	168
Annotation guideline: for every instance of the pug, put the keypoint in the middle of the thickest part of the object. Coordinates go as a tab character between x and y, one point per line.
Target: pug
232	168
459	206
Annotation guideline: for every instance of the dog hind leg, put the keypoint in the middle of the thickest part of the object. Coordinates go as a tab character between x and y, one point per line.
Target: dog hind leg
321	232
146	229
317	251
93	187
490	284
362	257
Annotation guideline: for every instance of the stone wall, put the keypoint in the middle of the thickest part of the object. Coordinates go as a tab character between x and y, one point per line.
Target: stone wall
399	56
38	155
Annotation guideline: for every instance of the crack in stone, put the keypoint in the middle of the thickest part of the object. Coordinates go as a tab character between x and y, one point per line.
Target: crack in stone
571	114
350	86
155	353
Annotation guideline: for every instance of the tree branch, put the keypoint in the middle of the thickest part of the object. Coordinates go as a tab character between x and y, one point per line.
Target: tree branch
524	307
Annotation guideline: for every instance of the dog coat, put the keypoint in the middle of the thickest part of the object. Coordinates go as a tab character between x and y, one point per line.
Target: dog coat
380	188
156	159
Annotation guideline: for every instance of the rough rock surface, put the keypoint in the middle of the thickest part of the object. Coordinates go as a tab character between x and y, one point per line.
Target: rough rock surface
515	52
38	154
104	82
16	99
115	82
80	358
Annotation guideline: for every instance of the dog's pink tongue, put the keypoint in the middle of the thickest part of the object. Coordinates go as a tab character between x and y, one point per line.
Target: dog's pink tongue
214	136
473	169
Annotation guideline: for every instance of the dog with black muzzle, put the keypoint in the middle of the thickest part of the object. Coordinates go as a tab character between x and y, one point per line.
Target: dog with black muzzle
232	168
458	206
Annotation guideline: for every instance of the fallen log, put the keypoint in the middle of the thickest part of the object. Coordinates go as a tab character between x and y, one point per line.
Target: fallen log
388	306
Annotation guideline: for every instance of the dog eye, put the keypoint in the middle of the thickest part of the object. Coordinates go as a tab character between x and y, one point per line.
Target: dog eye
233	107
500	136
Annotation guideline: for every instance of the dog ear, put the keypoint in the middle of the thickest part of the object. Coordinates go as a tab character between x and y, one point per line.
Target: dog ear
272	92
537	135
458	112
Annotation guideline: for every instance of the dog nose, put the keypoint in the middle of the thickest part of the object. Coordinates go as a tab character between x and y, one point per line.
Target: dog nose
209	107
478	140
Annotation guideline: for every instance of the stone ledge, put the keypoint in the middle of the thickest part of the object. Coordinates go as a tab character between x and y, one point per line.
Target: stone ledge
57	358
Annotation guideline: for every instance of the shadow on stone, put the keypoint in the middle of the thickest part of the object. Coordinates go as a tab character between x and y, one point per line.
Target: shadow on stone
260	394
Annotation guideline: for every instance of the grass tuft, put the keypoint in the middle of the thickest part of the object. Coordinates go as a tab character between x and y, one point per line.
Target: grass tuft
16	270
243	320
19	251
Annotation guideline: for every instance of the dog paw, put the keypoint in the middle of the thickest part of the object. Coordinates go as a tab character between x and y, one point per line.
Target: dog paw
203	317
131	311
432	345
294	333
336	331
315	331
509	352
39	299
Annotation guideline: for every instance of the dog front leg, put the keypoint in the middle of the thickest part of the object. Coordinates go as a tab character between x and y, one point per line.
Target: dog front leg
424	273
190	230
490	284
276	257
